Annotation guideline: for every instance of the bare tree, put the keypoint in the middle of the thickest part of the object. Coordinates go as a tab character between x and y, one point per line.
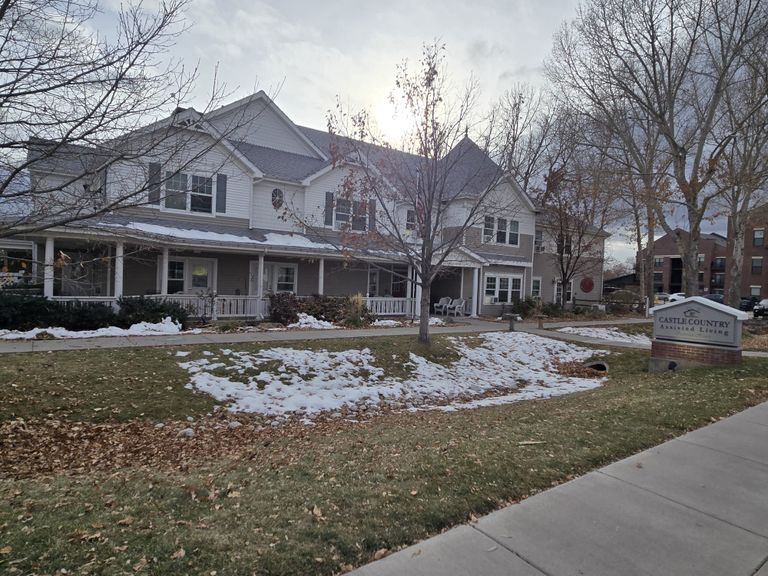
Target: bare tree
742	173
526	114
72	104
423	197
672	60
578	202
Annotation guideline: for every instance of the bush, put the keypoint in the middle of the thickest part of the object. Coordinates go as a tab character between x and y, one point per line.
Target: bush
526	308
19	312
284	308
356	313
135	309
342	310
550	309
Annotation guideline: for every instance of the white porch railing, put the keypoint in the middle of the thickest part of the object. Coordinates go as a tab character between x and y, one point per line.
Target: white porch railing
388	306
225	306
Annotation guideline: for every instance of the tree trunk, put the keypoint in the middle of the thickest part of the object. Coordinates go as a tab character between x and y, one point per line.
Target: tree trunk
736	262
426	289
649	246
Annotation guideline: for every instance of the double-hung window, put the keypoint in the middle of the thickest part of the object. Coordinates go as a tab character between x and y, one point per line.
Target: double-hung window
359	216
538	241
175	276
176	191
201	194
757	265
536	289
758	237
410	220
343	212
286	279
488	227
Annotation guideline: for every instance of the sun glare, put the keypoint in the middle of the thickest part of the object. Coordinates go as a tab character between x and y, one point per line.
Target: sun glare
393	123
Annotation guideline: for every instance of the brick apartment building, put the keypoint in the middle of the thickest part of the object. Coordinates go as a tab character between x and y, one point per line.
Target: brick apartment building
754	274
668	265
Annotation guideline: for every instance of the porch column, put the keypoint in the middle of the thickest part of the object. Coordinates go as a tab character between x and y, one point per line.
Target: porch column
260	277
409	287
119	257
321	276
475	291
418	296
48	268
164	272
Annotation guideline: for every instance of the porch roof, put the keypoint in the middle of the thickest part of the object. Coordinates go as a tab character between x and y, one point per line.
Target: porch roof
217	236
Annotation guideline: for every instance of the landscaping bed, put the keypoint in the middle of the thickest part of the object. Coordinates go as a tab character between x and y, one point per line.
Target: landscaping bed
119	487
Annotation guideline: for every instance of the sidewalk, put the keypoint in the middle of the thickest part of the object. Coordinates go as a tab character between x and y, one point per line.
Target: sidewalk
693	506
467	326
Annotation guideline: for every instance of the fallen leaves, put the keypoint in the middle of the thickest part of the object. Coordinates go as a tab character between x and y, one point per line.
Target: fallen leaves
179	554
6	550
380	553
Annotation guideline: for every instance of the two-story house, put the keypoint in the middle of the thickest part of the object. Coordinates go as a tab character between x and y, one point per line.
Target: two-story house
255	212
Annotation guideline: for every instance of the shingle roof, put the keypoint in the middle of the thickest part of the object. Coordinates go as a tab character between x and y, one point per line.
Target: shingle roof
279	164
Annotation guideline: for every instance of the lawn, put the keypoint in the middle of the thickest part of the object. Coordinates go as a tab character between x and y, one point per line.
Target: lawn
126	496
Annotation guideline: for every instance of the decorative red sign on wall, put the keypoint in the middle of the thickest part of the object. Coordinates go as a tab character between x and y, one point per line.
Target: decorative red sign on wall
587	285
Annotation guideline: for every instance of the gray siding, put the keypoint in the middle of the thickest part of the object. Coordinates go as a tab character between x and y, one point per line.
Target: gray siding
473	241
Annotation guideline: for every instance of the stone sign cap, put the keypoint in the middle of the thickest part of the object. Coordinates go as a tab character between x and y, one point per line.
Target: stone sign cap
698	320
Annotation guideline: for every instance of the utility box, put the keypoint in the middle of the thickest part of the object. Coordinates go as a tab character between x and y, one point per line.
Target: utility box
695	332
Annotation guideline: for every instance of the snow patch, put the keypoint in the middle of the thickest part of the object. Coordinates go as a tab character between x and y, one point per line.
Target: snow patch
611	334
436	321
167	326
386	323
514	365
309	321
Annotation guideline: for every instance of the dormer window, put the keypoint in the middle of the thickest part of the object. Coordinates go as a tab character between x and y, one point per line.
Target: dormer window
277	198
410	220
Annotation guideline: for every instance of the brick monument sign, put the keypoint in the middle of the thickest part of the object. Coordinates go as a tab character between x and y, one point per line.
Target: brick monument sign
695	332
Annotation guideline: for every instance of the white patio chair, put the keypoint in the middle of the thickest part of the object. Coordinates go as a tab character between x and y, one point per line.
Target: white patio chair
441	305
456	307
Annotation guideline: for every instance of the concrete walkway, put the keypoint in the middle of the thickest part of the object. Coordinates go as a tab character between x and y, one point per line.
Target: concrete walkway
693	506
465	326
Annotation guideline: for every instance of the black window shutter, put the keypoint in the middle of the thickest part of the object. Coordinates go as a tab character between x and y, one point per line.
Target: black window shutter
221	193
154	183
372	214
329	208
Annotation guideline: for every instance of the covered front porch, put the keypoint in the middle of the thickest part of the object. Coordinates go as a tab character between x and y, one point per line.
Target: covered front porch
214	283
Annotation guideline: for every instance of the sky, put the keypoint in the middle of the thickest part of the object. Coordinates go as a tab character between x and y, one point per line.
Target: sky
308	54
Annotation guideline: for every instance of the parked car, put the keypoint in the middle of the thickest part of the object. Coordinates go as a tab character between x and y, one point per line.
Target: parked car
719	298
661	298
761	308
747	304
677	296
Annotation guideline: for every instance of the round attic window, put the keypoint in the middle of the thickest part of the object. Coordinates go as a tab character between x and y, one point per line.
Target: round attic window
277	198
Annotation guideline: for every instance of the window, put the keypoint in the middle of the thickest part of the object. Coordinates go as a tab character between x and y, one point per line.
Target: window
504	231
359	216
286	279
536	289
410	220
277	198
351	214
758	237
488	227
343	212
718	280
700	261
658	280
718	264
538	241
755	291
501	230
563	244
15	266
201	194
190	193
757	265
175	276
176	191
503	289
200	276
658	262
